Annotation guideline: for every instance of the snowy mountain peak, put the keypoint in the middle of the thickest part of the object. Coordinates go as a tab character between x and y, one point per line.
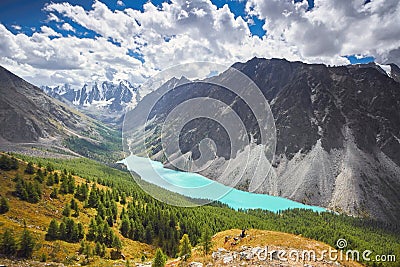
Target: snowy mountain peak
98	97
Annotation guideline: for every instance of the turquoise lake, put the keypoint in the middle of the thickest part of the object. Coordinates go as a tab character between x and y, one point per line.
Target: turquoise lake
197	186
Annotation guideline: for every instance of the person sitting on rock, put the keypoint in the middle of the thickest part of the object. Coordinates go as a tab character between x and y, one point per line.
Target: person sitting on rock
243	234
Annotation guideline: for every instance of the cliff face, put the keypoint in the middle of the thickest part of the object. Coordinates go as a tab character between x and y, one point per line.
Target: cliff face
338	133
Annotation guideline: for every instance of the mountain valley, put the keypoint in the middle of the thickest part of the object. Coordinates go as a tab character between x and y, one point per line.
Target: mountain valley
336	148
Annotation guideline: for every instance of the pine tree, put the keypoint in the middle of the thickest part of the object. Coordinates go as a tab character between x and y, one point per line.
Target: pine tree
117	243
62	230
149	234
43	257
93	231
93	198
29	168
52	232
82	247
49	167
20	188
114	210
71	230
110	221
82	192
56	178
71	184
123	213
26	244
159	259
74	207
7	243
81	231
88	251
101	211
4	163
67	210
33	192
85	191
39	176
123	198
4	206
206	240
54	193
38	188
50	180
63	187
74	237
97	249
7	163
103	250
185	248
108	235
14	163
125	226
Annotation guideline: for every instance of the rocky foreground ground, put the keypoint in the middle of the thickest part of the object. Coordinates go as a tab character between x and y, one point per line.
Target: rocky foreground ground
264	248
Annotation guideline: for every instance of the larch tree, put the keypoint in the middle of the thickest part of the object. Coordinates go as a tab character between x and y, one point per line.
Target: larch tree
185	248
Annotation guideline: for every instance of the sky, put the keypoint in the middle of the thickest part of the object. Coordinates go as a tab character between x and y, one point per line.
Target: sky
77	41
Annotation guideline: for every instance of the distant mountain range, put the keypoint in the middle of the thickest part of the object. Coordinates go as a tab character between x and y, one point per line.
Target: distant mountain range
338	133
105	101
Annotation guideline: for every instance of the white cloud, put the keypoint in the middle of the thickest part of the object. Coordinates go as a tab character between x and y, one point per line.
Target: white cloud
120	3
42	60
53	17
333	28
67	27
47	31
196	30
16	27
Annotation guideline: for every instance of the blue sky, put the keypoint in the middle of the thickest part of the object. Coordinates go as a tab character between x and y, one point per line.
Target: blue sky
70	41
31	14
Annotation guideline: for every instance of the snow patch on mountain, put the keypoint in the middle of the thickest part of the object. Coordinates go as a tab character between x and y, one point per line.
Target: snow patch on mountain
386	68
103	103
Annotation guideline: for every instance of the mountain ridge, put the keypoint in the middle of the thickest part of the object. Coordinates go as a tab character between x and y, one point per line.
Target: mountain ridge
30	118
337	127
21	101
105	101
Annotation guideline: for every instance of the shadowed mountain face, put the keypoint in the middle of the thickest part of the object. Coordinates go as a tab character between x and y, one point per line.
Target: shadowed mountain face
27	114
312	102
338	133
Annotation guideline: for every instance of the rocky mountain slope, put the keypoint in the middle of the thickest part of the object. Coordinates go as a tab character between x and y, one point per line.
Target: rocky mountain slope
105	101
29	116
338	133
